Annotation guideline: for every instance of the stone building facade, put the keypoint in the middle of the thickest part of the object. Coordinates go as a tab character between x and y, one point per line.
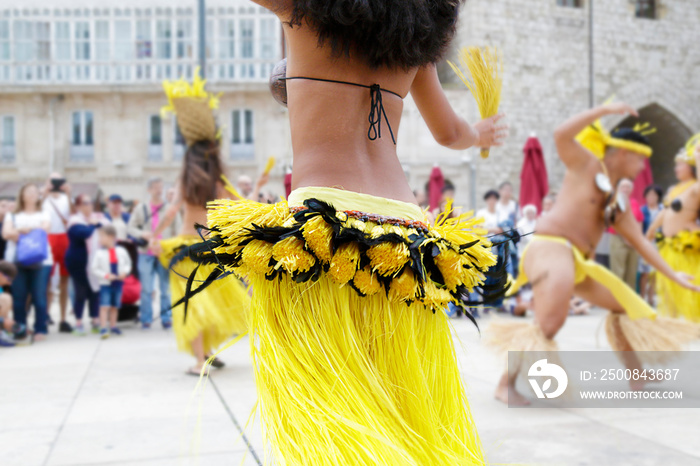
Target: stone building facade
56	81
651	63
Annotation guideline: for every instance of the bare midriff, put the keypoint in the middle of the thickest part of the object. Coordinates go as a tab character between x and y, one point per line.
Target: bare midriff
329	121
685	220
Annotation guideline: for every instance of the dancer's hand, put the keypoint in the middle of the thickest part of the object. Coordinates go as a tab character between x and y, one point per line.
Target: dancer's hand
686	281
490	132
621	108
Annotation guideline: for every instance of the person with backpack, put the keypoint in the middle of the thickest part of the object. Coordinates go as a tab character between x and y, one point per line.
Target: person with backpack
143	222
26	232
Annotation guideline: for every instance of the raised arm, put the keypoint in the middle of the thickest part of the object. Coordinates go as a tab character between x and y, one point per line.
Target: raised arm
448	128
570	151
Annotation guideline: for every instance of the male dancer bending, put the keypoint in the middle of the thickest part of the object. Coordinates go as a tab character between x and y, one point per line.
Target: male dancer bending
558	260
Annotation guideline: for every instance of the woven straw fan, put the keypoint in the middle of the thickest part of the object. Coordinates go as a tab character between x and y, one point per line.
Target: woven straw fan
483	75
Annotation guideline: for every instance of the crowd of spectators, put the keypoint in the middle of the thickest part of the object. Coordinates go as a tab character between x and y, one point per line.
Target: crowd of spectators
83	261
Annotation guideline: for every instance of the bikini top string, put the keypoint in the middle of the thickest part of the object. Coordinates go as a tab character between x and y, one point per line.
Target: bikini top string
376	111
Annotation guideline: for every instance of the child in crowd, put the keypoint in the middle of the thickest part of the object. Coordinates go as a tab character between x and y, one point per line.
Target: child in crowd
111	264
8	272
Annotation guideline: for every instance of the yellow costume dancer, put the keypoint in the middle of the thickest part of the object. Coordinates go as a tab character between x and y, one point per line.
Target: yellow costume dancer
219	312
682	252
354	358
639	329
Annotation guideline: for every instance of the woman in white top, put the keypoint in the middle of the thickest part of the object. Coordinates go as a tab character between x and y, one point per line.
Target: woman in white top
31	280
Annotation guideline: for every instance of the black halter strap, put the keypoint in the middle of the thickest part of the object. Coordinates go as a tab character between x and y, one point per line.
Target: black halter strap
376	111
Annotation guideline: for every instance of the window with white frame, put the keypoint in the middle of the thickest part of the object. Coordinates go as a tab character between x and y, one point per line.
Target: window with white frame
82	142
227	48
184	48
82	49
102	52
242	135
155	139
117	44
62	50
123	50
5	54
164	48
7	139
144	39
247	27
144	48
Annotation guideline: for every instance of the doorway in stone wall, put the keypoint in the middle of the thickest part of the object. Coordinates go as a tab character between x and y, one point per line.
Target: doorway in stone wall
671	134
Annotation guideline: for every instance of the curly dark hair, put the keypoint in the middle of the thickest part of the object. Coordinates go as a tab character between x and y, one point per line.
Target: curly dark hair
201	173
387	33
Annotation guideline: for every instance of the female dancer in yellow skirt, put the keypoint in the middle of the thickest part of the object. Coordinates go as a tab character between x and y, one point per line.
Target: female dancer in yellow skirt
353	353
206	320
679	243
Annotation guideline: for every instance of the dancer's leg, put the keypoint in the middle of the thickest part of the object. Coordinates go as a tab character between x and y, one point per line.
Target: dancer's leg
598	295
550	268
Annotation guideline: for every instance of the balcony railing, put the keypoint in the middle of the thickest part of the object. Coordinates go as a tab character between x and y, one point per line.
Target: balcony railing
155	153
82	154
243	151
133	72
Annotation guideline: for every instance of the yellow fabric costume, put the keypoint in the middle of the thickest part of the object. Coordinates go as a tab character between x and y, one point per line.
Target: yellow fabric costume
681	252
218	313
353	354
634	305
638	330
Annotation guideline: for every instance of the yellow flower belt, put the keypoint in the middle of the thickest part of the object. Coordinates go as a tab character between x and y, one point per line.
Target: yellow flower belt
408	260
684	242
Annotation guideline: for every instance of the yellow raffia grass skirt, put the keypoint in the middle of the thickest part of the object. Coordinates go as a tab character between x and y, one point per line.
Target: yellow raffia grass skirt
682	253
217	313
354	357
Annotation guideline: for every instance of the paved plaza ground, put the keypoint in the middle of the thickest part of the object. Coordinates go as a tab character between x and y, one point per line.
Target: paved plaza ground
127	401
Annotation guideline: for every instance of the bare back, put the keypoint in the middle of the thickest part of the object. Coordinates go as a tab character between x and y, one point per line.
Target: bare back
329	121
578	213
195	214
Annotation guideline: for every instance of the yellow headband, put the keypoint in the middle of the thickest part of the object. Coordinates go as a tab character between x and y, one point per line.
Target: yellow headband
687	154
193	106
597	139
